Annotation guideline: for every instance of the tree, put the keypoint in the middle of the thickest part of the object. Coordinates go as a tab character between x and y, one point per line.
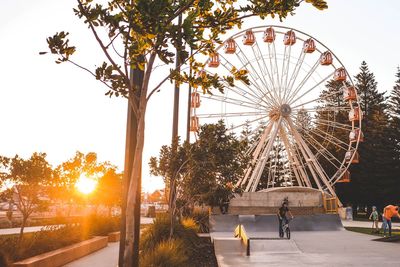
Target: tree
68	173
148	31
394	113
109	188
394	124
372	174
207	168
31	178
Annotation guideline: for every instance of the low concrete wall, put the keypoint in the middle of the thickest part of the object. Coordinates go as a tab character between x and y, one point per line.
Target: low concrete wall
114	237
65	255
298	197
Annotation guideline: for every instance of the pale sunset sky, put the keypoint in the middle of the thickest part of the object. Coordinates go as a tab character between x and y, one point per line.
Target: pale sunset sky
59	109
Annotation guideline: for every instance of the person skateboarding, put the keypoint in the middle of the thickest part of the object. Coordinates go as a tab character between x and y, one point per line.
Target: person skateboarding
374	216
282	216
389	212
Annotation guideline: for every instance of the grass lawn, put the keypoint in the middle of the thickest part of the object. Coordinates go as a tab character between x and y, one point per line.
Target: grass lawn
369	231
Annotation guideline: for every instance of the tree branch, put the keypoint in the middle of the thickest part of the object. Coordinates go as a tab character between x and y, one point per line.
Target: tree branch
169	76
79	66
102	45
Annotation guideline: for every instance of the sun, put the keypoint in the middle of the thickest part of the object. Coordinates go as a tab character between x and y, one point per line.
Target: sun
85	185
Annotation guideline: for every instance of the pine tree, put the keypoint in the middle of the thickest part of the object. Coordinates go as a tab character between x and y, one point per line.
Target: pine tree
394	113
394	124
371	178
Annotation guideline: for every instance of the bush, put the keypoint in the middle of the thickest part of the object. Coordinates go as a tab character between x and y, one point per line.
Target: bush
201	217
53	237
50	238
4	262
166	254
101	225
159	232
190	223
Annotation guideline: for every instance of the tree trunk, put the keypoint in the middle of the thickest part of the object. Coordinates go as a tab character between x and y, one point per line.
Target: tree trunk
131	255
136	79
131	221
21	232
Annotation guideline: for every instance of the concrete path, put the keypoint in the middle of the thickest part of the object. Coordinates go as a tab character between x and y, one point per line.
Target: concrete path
322	248
366	224
106	257
11	231
315	241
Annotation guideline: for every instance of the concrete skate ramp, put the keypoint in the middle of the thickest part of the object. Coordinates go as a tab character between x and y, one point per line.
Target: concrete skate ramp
269	223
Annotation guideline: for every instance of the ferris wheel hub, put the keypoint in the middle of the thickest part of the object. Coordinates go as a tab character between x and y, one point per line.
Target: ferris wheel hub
286	110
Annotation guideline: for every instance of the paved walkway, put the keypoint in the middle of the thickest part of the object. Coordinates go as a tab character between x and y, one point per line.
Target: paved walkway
106	257
11	231
366	224
319	248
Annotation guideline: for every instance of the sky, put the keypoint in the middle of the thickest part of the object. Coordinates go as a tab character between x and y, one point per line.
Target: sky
59	109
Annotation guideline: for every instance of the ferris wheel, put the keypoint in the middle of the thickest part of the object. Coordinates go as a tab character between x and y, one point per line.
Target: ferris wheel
299	107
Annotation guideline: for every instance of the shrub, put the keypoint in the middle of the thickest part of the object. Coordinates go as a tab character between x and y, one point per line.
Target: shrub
190	223
4	262
53	236
202	219
159	232
166	254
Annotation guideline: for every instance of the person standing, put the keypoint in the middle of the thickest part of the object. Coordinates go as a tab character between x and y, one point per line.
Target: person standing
389	212
375	220
282	215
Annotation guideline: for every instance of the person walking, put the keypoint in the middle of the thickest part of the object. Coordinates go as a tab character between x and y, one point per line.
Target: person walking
374	216
282	216
389	212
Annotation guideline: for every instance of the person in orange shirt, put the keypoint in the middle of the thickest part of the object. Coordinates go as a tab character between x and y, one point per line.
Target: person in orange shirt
388	212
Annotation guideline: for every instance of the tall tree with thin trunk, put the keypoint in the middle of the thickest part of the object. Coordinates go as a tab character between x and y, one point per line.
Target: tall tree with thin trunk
140	34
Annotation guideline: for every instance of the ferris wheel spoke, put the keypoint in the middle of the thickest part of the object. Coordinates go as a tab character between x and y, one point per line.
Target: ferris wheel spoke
243	124
321	109
233	114
299	157
306	155
285	70
290	156
324	136
256	175
257	94
303	82
317	99
246	62
321	153
234	101
256	154
264	69
313	161
310	90
294	76
334	124
245	93
326	154
274	66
